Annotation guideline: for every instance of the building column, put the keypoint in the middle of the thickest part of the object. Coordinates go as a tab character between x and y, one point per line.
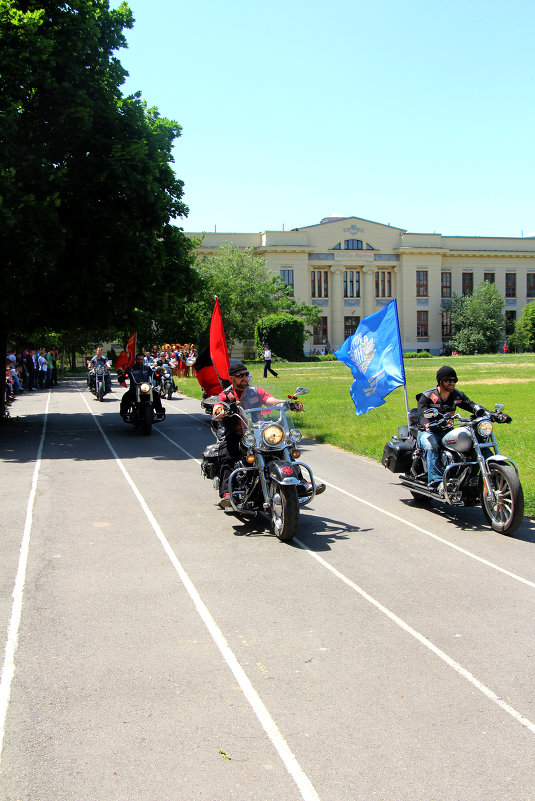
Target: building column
336	333
368	290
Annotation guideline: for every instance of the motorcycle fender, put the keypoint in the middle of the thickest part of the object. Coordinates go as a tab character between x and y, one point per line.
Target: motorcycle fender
283	473
499	457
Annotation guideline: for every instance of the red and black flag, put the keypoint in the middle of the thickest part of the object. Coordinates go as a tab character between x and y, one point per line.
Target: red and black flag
126	358
212	365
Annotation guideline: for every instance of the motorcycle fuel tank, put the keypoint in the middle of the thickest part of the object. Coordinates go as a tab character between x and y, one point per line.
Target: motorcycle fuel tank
459	439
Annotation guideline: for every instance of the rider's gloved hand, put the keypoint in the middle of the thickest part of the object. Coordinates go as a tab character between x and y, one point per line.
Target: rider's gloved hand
296	406
504	418
218	412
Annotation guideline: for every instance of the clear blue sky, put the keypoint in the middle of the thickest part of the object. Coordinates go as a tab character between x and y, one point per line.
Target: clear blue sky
418	114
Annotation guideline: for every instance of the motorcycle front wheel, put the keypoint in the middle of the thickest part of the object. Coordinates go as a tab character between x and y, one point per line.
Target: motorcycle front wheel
169	393
505	515
284	511
100	393
146	419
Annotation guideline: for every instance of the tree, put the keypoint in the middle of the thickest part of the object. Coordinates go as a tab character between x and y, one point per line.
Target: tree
478	320
247	291
523	337
285	334
88	194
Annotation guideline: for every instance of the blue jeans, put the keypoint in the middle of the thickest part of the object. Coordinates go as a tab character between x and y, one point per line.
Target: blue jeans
431	445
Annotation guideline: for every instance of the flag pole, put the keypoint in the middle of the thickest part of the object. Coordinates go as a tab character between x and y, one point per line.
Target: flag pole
402	366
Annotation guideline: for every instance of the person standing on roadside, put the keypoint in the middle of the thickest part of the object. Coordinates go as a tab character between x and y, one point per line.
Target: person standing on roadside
267	362
43	368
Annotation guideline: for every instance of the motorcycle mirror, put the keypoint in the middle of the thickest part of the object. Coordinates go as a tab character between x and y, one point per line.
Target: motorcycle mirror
212	400
301	391
499	407
430	414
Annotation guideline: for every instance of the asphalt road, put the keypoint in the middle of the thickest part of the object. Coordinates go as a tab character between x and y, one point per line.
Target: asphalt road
157	648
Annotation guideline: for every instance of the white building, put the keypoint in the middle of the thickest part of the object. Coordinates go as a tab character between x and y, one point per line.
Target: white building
350	267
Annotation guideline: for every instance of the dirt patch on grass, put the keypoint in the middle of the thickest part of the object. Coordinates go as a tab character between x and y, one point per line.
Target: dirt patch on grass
502	381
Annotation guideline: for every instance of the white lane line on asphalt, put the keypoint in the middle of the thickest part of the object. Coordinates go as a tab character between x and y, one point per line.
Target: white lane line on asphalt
308	793
8	670
430	534
423	640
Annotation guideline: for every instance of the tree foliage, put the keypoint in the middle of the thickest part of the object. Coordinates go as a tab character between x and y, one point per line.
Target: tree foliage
478	320
88	193
285	334
523	337
247	291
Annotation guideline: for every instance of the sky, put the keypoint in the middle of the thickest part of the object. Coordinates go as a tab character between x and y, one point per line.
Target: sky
416	114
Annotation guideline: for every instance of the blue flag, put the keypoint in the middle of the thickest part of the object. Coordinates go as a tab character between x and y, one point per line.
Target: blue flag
374	356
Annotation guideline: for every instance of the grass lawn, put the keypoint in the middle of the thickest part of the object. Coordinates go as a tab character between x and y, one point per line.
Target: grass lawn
330	414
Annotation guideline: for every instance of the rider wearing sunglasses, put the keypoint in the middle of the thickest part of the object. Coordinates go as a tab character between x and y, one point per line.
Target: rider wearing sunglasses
446	398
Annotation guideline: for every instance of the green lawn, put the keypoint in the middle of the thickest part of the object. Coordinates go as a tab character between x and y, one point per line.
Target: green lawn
330	414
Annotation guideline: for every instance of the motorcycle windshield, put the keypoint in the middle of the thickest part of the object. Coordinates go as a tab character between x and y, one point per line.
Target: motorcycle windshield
259	417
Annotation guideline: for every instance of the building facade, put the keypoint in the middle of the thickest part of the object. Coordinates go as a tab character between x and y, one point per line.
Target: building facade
350	267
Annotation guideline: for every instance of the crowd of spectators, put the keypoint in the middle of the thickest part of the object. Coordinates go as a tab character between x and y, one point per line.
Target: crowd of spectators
29	371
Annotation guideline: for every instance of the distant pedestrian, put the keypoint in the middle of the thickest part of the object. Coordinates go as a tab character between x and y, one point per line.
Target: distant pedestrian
267	362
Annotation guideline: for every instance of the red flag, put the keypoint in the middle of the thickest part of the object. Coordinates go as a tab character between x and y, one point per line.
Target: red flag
218	345
206	374
131	349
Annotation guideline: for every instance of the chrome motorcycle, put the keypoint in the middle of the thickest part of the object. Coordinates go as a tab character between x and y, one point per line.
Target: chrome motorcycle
97	381
269	478
141	412
163	381
474	471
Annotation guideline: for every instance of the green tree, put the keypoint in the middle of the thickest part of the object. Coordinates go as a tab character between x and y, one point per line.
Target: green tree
523	337
478	320
285	334
246	291
88	194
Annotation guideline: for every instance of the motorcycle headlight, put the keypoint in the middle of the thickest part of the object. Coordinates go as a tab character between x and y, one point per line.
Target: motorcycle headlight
273	434
484	428
145	387
249	440
295	435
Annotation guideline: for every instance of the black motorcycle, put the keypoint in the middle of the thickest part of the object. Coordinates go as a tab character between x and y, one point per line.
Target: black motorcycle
163	380
474	471
269	477
98	380
141	412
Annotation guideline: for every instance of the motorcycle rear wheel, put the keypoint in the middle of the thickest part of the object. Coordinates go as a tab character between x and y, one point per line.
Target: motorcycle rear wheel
506	514
146	420
284	511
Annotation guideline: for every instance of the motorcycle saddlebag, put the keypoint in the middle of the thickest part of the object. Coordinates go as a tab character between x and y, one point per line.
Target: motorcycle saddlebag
210	461
397	455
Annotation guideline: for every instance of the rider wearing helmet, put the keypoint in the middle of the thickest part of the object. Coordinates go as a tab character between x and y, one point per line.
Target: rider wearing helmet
445	398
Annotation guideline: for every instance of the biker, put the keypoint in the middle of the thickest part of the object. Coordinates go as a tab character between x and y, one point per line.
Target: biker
142	372
230	431
446	399
98	360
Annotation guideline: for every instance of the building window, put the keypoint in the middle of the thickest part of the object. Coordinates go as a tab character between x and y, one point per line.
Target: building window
351	284
467	283
337	247
422	324
421	284
320	332
445	285
530	285
319	283
383	284
352	244
287	275
490	277
446	324
510	319
510	285
350	325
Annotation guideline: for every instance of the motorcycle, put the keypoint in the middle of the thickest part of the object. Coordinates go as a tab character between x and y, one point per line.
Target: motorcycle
141	412
163	381
98	381
474	471
268	479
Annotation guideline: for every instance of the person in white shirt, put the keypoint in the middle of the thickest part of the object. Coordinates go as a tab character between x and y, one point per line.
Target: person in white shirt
267	362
